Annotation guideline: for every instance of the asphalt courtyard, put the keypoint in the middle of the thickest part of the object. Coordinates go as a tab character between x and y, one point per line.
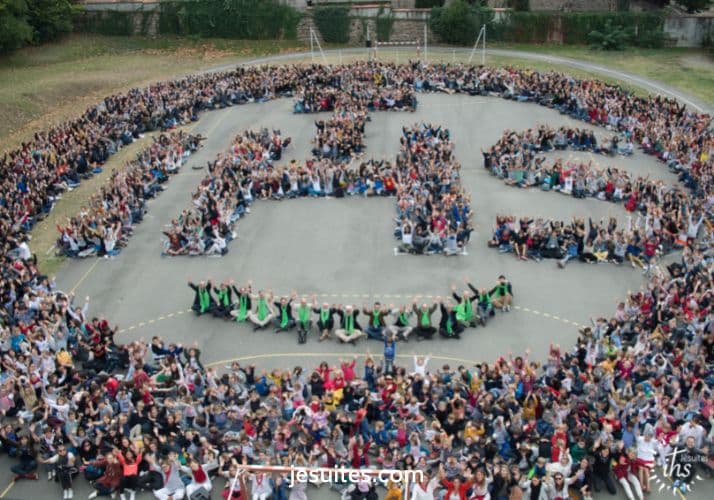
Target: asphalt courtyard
342	251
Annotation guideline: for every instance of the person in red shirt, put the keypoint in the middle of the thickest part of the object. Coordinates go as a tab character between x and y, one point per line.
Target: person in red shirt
455	489
359	449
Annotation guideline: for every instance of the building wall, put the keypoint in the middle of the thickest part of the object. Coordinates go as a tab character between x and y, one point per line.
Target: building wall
689	31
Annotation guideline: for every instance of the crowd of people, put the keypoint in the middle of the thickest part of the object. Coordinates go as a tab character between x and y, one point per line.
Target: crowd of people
103	227
225	193
662	218
433	210
151	417
382	322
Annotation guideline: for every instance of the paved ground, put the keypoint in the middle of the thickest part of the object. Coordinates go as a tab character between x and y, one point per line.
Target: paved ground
342	250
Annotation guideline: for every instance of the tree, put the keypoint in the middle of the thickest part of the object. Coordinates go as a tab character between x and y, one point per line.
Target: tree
520	5
456	24
49	19
15	31
611	37
695	5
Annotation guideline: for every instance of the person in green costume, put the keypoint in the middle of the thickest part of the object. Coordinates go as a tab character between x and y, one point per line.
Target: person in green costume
449	326
304	321
465	307
203	301
224	299
243	305
325	318
502	294
401	327
376	315
424	328
263	314
349	330
283	320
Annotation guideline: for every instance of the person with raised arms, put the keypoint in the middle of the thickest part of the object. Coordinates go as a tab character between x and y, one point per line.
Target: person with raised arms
449	325
424	328
283	320
263	314
349	330
376	315
325	318
203	301
241	312
401	327
464	309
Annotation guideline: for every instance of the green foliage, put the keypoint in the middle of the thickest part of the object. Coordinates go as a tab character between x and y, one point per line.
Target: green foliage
384	28
15	31
520	5
108	22
623	5
49	19
695	5
574	28
459	23
428	4
612	37
245	19
333	21
652	39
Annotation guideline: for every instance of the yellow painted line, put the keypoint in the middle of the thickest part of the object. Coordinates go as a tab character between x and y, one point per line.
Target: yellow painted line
142	324
161	318
152	321
188	310
525	309
7	488
122	331
327	355
85	275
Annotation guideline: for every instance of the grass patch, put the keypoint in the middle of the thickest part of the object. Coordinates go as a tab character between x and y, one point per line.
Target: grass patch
42	86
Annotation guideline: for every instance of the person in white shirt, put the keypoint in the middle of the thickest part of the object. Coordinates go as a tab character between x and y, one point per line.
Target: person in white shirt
694	430
260	486
424	489
646	450
420	364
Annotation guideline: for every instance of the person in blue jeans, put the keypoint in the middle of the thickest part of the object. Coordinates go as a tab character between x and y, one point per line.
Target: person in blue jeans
375	326
27	467
390	352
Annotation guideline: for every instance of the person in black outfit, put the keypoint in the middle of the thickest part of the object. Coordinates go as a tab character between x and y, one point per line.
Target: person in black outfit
602	474
449	326
203	301
325	318
283	320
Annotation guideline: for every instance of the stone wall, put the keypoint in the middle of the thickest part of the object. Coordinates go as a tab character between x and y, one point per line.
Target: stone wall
689	31
562	5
